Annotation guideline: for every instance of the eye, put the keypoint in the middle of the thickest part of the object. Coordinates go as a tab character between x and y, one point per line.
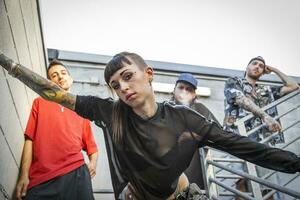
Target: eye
189	89
115	86
254	63
180	87
127	76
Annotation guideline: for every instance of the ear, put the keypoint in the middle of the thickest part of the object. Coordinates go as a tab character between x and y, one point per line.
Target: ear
149	73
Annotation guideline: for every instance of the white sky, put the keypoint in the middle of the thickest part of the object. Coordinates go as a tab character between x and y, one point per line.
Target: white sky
215	33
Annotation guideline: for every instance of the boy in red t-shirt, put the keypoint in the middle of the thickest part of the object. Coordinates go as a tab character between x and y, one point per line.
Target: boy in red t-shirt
52	163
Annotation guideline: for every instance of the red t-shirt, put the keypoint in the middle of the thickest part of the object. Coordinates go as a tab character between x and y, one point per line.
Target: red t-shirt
58	136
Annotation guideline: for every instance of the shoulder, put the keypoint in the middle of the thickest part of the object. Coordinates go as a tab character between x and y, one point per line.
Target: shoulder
170	106
39	101
198	106
234	80
93	100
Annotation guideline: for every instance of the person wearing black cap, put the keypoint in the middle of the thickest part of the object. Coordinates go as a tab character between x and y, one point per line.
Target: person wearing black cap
244	96
185	94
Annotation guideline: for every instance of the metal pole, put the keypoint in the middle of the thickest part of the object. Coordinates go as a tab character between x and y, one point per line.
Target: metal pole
239	193
259	180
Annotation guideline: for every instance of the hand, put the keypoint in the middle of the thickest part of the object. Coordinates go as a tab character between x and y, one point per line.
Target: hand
269	69
92	169
272	124
21	187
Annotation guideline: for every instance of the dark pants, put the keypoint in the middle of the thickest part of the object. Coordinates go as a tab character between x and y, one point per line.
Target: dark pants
194	171
75	185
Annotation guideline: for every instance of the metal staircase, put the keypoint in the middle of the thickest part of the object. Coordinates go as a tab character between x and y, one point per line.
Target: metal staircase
221	177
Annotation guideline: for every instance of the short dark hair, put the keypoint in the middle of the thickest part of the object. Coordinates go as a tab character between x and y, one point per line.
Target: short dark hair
53	63
260	58
118	61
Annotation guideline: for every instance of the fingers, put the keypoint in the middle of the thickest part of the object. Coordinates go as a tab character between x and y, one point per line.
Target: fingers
272	124
275	127
92	171
24	190
267	70
18	192
279	128
21	191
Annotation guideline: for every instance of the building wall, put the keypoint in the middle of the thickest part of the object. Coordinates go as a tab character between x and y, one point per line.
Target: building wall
20	39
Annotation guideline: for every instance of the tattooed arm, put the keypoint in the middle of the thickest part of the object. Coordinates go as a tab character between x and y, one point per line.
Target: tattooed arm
44	87
249	105
290	84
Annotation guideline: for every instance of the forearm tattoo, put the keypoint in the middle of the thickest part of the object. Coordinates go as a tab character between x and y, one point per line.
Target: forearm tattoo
44	87
250	106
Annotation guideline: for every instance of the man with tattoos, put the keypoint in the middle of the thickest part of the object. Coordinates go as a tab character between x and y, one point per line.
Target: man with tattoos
52	163
244	96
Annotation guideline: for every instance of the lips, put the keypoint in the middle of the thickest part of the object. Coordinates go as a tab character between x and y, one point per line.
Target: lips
129	96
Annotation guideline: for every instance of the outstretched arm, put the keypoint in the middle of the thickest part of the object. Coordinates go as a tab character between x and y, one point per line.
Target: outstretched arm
251	151
289	83
211	134
44	87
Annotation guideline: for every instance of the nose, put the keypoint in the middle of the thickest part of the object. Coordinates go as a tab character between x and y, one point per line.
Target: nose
257	65
124	87
59	76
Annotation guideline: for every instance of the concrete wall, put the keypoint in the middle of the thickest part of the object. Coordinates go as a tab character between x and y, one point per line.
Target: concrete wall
20	39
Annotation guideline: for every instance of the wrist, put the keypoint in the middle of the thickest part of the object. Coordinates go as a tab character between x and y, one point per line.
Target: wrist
93	162
24	175
265	116
9	65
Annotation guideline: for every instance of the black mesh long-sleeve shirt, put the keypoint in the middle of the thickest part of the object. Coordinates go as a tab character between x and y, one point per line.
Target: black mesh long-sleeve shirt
157	150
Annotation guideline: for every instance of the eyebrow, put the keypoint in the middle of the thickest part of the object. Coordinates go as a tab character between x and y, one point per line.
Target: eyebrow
53	73
120	75
63	70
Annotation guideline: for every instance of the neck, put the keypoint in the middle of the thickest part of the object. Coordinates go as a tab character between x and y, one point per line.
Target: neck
252	81
147	109
188	104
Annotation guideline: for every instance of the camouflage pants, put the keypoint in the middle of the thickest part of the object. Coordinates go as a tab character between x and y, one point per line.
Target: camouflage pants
193	192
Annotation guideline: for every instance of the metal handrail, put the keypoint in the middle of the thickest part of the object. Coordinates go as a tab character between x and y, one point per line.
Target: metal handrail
239	193
277	117
214	161
267	139
258	180
228	160
103	191
277	102
274	191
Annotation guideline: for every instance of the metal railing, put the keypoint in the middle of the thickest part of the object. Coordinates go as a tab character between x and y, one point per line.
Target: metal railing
213	167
